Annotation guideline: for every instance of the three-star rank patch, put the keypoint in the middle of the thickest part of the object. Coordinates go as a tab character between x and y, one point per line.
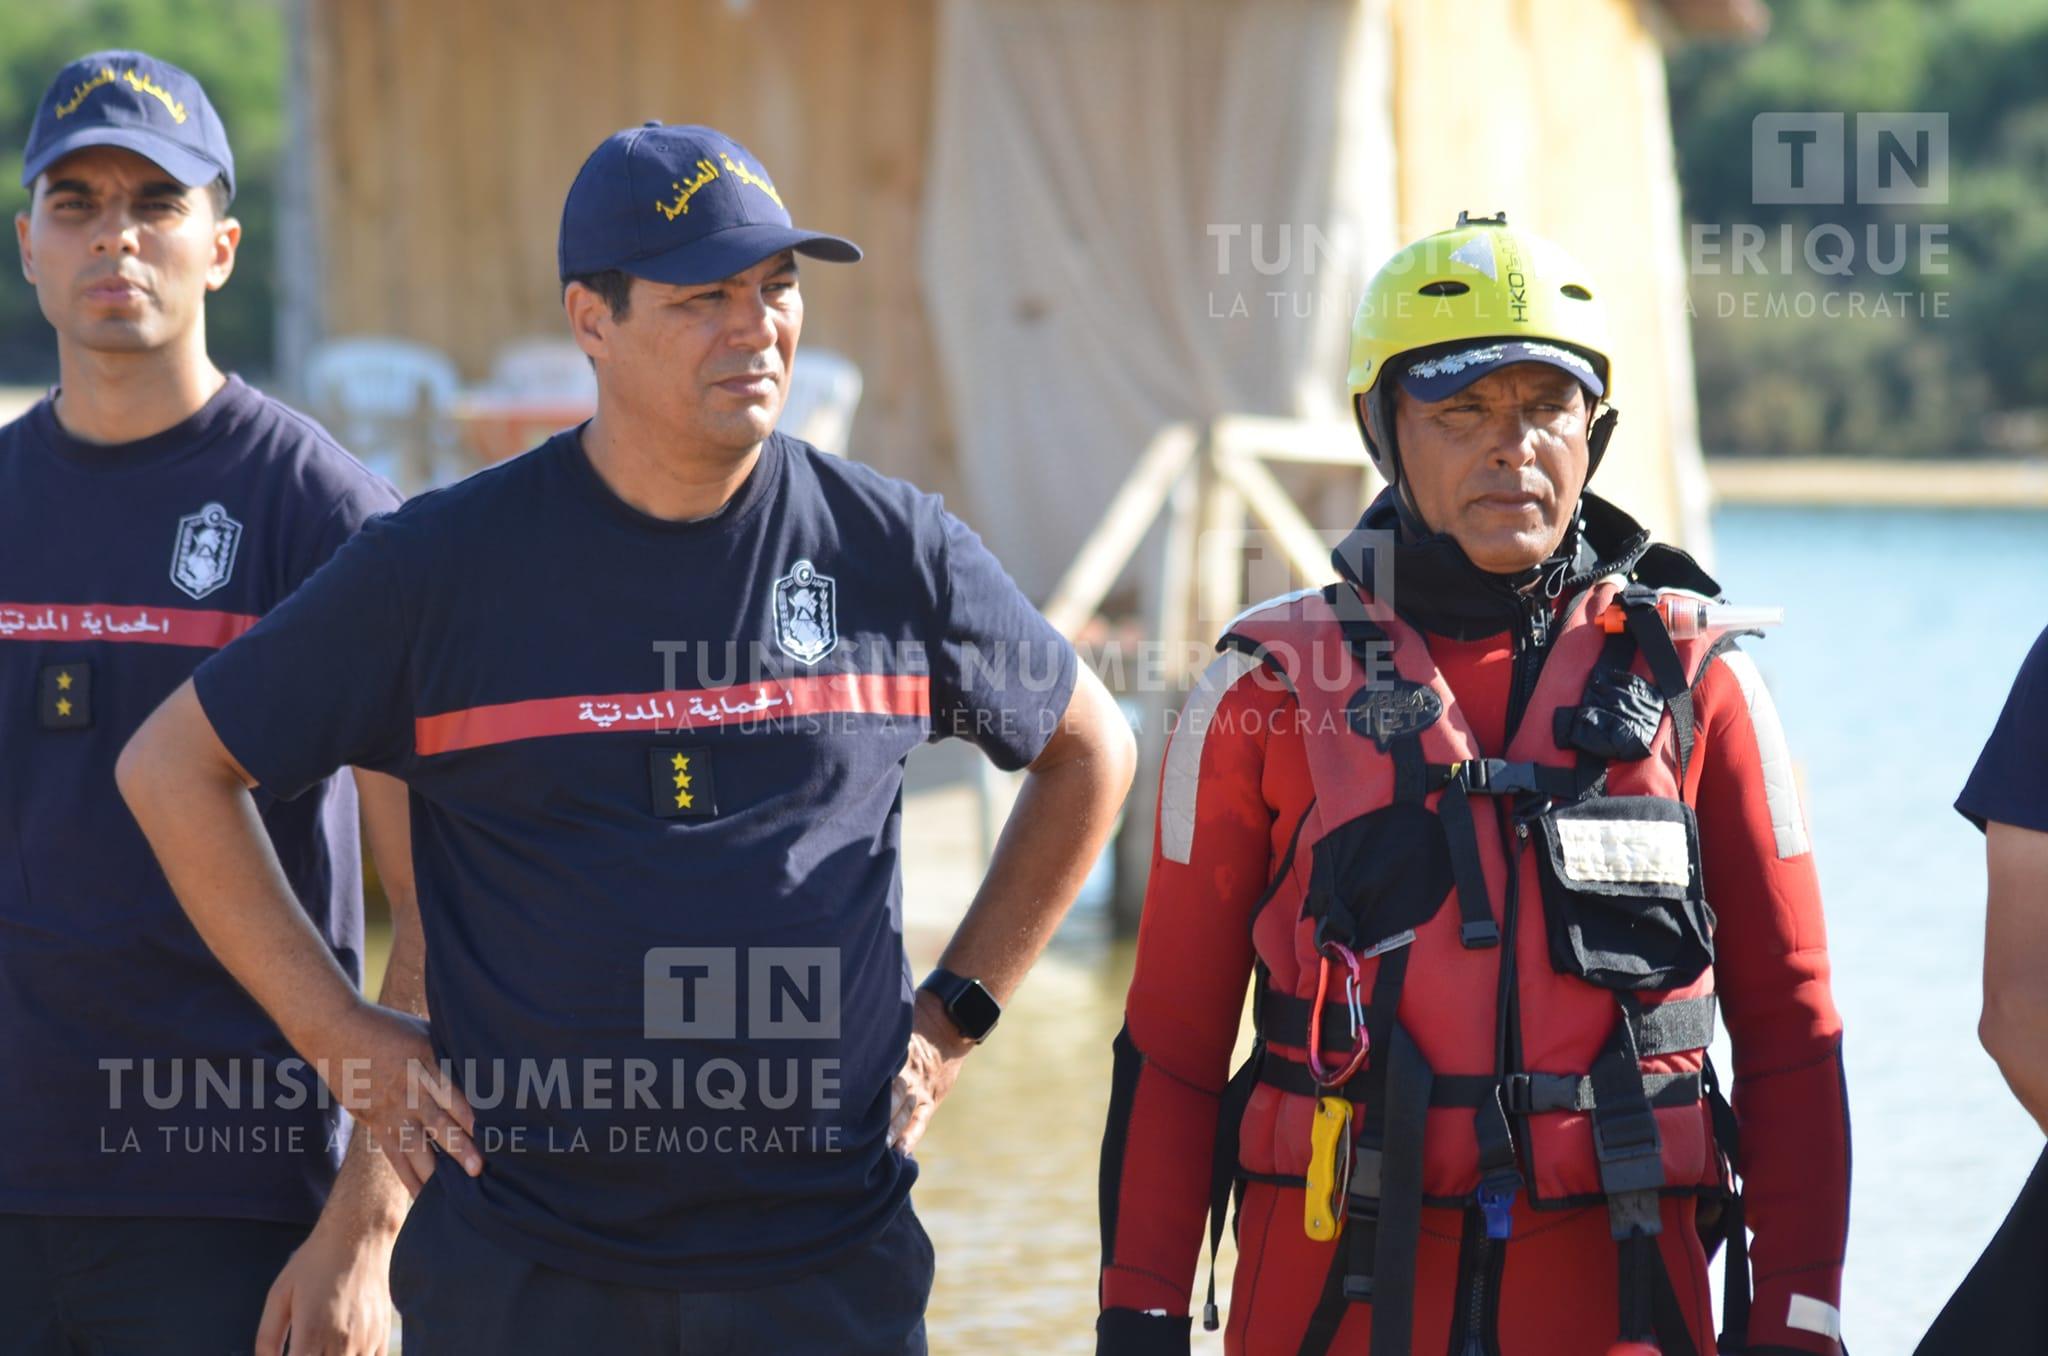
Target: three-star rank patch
64	697
680	779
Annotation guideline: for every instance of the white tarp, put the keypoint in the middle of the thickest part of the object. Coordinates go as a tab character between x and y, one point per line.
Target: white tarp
1139	212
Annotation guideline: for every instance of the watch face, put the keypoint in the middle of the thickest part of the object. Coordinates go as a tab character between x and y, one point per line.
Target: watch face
974	1011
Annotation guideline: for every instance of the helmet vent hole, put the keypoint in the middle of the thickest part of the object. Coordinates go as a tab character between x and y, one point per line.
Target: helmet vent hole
1576	292
1446	287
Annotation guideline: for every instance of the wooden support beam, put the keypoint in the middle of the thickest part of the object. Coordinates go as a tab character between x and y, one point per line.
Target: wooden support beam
1116	537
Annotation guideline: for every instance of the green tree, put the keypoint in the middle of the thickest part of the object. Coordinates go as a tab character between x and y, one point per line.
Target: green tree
1921	383
237	49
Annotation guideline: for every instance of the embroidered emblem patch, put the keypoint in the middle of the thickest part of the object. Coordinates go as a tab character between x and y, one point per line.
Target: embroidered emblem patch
806	607
205	553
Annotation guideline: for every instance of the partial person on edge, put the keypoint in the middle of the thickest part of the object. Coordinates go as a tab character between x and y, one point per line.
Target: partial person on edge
152	509
2001	1305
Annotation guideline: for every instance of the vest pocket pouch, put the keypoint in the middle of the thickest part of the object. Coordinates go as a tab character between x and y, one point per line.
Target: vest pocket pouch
1378	876
1622	894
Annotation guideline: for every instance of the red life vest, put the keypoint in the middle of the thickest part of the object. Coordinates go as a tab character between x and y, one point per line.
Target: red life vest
1574	856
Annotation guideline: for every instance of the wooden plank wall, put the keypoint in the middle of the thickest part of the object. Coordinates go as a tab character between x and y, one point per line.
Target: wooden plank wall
1554	111
449	132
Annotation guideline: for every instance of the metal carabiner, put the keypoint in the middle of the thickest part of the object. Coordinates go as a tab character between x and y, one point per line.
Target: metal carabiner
1361	1044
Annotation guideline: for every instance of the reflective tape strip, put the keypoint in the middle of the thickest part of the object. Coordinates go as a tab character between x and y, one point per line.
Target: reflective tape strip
1781	790
1183	777
1807	1314
1639	851
1281	600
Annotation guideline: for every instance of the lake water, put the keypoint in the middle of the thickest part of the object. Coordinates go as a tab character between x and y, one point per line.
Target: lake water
1903	631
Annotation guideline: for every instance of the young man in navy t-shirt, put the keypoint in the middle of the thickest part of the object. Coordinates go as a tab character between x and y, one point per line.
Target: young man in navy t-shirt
2000	1305
162	1151
652	686
2007	797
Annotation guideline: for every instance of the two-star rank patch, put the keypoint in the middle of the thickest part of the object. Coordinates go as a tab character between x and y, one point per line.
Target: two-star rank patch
64	698
681	782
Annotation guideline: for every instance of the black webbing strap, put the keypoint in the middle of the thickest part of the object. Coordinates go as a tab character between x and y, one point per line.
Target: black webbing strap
1521	1094
1735	1292
1631	1154
1476	927
1653	641
1223	1164
1499	777
1636	1256
1411	771
1282	1019
1532	1094
1665	1029
1391	1285
1355	1259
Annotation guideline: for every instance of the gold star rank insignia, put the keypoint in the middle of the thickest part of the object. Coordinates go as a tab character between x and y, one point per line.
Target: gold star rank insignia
65	698
681	782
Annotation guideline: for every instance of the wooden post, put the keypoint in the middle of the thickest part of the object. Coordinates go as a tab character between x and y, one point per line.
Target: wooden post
298	245
1202	482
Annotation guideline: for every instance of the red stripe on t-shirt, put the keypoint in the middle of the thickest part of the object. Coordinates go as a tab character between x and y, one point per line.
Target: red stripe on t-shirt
120	622
675	710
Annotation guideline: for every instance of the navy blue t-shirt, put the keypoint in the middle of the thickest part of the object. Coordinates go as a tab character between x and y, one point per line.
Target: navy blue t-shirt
2010	782
136	1077
656	773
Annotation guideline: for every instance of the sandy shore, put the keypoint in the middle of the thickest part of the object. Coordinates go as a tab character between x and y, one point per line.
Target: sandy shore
1879	484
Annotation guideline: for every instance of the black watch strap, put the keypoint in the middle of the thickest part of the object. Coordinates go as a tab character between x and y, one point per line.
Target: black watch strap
972	1008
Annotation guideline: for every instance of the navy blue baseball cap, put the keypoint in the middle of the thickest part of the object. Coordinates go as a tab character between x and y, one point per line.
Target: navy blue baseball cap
1440	373
679	204
134	101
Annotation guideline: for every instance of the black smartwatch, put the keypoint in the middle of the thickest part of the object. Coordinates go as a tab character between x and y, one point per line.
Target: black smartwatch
973	1009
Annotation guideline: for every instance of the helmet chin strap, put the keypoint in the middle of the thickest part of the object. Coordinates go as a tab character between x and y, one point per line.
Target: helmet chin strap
1597	437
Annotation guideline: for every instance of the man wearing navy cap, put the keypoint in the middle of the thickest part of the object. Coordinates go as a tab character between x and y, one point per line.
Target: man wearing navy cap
159	1167
651	686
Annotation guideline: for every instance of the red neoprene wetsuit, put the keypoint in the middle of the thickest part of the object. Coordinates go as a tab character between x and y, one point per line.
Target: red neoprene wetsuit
1558	1289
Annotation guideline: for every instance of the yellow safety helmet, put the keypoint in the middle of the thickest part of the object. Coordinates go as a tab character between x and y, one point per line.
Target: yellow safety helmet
1462	302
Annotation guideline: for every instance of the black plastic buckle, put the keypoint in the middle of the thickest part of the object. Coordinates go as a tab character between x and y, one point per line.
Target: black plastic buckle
1622	1135
1496	777
1480	932
1639	595
1630	1151
1518	1094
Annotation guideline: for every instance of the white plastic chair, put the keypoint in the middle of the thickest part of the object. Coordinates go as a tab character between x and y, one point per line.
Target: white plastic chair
390	402
543	369
824	393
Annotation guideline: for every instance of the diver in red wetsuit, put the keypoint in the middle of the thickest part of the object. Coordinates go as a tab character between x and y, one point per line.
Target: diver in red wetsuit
1497	827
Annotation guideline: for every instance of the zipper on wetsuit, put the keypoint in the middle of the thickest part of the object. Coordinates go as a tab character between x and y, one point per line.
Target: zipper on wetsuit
1532	643
1481	1265
1482	1281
